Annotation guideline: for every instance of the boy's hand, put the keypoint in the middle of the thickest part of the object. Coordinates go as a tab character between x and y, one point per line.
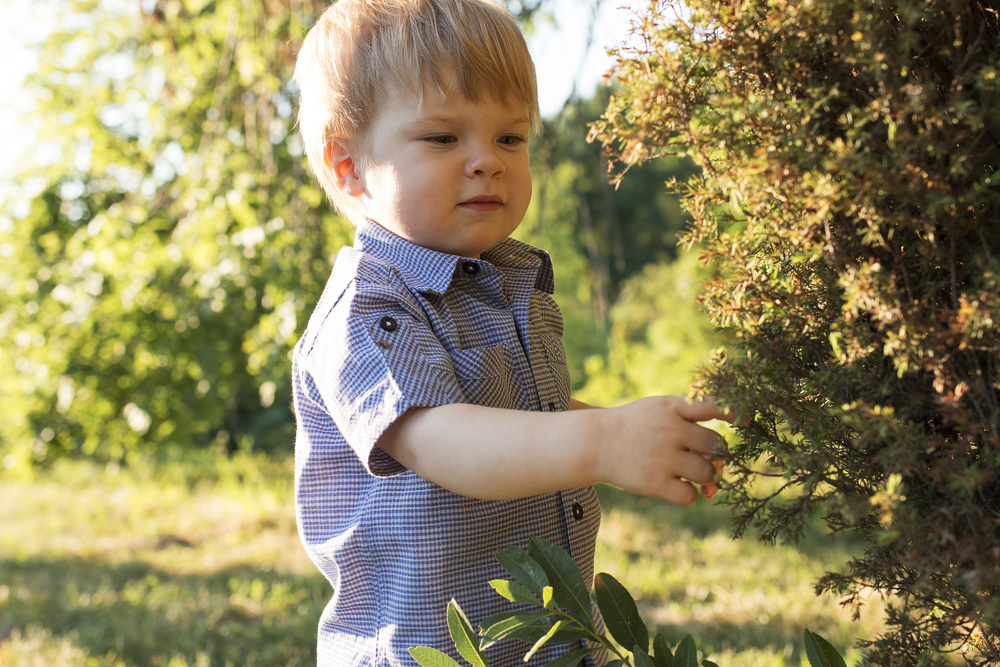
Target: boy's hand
658	448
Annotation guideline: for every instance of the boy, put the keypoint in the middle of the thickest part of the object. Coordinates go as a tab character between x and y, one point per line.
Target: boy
431	392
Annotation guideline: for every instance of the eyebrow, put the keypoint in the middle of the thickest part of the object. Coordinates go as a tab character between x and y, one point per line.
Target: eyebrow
444	118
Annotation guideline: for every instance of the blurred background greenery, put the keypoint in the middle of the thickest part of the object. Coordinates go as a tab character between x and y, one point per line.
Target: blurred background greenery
160	250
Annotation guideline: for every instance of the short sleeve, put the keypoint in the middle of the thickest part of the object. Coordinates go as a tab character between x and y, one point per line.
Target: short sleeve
374	358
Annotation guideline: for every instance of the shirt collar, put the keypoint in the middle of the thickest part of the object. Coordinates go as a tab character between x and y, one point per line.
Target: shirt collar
424	269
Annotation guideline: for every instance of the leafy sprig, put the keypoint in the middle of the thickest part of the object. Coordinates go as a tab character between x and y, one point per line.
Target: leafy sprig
547	578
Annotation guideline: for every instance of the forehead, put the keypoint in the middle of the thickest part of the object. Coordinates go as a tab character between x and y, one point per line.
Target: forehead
441	96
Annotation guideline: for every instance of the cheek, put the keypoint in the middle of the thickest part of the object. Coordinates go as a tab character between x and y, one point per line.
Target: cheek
410	182
523	169
382	184
524	184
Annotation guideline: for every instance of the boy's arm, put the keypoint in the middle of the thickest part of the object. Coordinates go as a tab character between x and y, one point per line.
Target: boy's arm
649	447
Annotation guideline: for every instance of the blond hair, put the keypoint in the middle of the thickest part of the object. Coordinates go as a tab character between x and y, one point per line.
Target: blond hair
360	50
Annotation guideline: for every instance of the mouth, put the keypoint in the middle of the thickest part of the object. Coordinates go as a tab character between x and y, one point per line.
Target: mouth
483	203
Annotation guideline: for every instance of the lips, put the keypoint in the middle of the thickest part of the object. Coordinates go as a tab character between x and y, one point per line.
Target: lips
483	203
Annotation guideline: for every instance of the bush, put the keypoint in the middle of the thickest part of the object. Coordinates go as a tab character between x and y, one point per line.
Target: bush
850	204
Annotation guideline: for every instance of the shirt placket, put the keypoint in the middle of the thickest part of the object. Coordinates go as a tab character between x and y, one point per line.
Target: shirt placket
522	283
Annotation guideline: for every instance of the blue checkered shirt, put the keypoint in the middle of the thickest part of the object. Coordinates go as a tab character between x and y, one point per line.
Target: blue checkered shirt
400	326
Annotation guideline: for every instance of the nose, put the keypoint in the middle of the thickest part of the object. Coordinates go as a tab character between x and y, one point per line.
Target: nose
485	161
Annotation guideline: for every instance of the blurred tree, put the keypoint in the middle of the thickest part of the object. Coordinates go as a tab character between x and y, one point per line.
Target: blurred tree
160	275
849	202
621	227
658	335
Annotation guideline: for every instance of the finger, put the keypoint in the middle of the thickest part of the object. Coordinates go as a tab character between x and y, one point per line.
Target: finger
696	468
701	410
680	493
703	440
708	408
717	464
738	417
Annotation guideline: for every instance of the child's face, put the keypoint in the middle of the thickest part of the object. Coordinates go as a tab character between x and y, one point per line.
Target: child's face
449	174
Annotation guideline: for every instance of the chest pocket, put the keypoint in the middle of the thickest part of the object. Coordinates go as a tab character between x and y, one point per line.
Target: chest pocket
487	376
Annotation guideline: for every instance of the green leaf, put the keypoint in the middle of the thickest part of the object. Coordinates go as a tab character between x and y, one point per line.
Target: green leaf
512	625
686	654
514	591
526	627
820	652
465	637
640	658
523	568
547	597
708	663
571	659
662	656
621	616
543	640
431	657
569	591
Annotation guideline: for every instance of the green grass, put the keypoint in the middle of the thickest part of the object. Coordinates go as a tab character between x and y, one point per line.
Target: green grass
172	568
198	563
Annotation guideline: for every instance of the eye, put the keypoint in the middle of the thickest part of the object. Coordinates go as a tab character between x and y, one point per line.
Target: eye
441	139
511	140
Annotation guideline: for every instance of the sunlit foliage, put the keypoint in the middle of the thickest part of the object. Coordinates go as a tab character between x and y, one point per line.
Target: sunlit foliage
173	241
850	203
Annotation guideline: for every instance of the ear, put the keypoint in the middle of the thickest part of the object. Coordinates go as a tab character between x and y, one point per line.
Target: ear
343	168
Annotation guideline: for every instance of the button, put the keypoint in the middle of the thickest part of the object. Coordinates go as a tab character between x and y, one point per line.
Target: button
577	511
471	268
388	324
